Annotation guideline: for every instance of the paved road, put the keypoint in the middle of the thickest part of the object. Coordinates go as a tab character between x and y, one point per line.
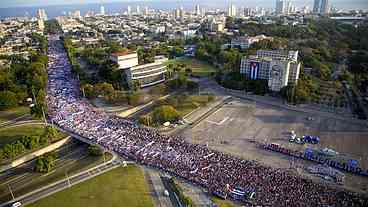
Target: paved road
218	90
65	183
154	179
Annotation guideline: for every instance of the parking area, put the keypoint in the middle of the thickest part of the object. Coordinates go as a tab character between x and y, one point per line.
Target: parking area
238	126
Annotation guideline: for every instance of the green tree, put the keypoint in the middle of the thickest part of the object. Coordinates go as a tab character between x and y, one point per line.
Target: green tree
94	150
104	89
45	163
165	113
89	91
8	100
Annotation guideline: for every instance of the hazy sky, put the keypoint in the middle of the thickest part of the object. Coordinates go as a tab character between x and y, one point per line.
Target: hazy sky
26	3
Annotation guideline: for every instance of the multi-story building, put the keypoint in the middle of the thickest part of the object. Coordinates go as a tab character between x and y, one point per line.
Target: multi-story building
41	14
279	68
231	12
102	10
283	7
197	10
245	42
125	60
146	74
321	7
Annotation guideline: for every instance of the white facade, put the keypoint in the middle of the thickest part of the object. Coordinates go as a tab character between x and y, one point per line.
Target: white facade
279	68
125	60
147	74
102	10
231	12
321	7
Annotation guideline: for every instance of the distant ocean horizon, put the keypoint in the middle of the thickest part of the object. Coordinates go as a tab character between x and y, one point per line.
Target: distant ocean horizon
118	7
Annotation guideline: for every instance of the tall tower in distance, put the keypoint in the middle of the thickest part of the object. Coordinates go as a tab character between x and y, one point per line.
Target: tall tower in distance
321	7
41	14
129	10
231	11
102	10
197	10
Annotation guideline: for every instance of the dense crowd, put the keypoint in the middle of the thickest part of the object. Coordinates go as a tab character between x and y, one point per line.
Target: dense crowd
210	169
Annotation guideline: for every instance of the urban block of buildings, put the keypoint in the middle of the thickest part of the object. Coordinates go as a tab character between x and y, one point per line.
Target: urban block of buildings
280	68
146	74
245	42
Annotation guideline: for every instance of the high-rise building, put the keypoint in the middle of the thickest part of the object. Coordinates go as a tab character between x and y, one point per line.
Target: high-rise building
231	11
146	11
197	10
177	13
129	10
321	7
279	68
147	74
102	10
138	9
41	14
181	12
283	7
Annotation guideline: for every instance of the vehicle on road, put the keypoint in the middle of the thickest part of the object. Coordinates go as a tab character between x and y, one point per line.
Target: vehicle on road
311	139
16	204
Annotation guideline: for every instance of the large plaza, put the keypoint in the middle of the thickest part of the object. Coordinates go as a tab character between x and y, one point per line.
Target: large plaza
238	126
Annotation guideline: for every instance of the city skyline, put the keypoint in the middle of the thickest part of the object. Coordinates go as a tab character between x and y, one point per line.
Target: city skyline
353	4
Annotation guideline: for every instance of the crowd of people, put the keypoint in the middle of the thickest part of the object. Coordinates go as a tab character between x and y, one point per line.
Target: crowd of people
208	168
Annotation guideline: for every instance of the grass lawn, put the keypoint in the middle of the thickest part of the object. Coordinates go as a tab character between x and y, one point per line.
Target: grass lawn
11	134
199	68
222	203
38	180
116	188
14	113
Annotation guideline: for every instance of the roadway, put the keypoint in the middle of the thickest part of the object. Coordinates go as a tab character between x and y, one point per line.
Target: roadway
67	182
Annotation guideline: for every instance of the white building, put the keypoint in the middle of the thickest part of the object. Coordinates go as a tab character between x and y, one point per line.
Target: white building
147	74
231	11
41	14
283	7
129	10
321	7
198	10
102	10
41	24
125	60
279	68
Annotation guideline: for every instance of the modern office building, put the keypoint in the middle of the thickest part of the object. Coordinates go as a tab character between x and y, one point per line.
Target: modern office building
147	74
321	7
279	68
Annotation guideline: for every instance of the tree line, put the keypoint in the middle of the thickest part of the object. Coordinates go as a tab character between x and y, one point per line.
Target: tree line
25	78
27	143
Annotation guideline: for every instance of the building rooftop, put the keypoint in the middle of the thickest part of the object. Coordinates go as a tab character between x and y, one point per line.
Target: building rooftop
127	52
